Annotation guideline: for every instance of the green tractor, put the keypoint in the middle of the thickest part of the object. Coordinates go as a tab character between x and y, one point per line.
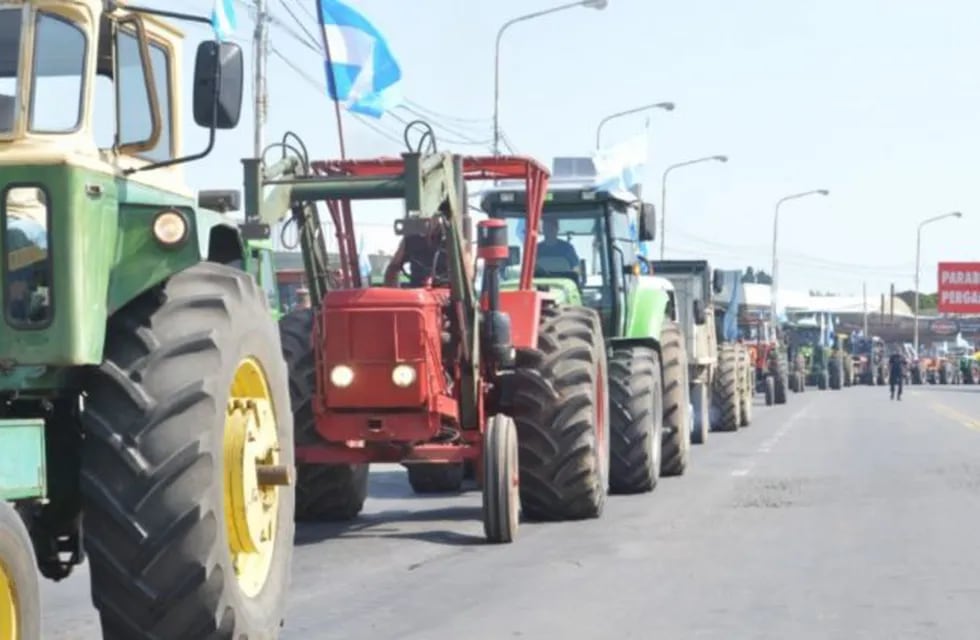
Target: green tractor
589	256
259	257
142	386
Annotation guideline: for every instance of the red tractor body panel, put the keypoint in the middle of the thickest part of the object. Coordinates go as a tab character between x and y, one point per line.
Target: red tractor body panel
524	309
373	331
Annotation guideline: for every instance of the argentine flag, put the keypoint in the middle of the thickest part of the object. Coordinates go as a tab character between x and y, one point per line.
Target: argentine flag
223	19
619	167
361	71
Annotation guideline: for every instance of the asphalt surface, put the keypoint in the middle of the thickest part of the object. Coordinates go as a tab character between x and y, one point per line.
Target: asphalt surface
839	515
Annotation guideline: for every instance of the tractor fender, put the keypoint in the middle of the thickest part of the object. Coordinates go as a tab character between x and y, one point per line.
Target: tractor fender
646	310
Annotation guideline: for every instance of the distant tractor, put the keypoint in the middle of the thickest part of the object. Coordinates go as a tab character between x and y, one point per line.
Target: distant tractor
870	363
144	400
719	375
769	357
590	253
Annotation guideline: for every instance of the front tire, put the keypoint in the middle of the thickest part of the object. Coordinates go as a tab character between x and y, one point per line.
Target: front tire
325	492
20	595
189	437
501	486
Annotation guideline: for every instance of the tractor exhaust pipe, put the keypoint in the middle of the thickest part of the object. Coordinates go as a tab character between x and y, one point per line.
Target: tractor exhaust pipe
492	249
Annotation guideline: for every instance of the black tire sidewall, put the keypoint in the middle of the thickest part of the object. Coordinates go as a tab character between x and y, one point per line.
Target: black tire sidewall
18	560
265	611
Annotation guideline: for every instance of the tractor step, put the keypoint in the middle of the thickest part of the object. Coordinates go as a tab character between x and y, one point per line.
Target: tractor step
22	468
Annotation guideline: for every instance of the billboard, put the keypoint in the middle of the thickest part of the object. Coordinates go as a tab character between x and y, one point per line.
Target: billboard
959	287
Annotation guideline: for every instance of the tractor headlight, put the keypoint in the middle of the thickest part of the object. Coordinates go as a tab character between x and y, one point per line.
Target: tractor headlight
341	376
170	228
403	375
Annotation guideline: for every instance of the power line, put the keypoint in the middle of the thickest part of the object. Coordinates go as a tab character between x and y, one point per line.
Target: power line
317	44
484	121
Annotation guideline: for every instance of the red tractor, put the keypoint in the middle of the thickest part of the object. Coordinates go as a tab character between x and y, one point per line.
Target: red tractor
433	375
767	355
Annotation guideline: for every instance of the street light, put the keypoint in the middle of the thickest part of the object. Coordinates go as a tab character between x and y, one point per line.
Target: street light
775	232
590	4
918	246
666	106
663	192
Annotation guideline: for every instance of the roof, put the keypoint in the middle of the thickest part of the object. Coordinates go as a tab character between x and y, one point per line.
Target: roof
564	187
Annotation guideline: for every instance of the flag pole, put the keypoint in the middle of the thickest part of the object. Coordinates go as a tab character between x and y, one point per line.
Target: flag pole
332	82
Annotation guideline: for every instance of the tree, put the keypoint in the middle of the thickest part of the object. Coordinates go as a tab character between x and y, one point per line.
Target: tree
749	275
762	277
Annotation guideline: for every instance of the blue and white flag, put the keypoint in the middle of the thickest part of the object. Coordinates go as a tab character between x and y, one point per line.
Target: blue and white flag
223	19
361	71
620	166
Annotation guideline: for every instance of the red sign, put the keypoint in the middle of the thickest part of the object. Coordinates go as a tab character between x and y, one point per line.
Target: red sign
959	287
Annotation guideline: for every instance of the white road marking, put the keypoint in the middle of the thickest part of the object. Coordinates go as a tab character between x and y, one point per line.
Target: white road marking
768	445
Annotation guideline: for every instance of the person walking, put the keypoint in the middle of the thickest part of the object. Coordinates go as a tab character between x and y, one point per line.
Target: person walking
896	373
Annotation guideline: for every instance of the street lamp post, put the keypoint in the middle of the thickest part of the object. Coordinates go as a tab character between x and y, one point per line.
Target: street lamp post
775	236
666	106
592	4
918	247
663	192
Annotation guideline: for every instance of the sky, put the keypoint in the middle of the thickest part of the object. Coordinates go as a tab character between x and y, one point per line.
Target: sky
875	100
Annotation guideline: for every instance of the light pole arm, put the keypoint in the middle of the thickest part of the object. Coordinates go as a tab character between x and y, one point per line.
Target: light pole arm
775	237
663	193
918	253
668	106
496	63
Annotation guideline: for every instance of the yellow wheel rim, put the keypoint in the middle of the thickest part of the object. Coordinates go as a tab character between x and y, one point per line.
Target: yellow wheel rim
8	606
252	477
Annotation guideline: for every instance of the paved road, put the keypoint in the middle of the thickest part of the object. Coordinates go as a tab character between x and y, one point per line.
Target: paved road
840	515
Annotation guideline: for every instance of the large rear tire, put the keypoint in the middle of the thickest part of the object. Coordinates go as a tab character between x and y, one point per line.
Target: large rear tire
746	387
328	492
677	408
561	407
189	441
781	378
636	412
836	374
726	394
20	595
427	478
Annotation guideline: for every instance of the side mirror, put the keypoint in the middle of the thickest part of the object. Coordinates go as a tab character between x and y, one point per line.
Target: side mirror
219	77
717	281
648	223
220	200
699	316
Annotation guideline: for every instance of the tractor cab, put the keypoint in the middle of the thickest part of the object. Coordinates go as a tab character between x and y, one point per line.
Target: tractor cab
94	207
589	246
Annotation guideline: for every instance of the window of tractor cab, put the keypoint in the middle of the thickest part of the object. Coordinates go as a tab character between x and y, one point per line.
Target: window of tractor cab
11	21
122	110
582	227
58	75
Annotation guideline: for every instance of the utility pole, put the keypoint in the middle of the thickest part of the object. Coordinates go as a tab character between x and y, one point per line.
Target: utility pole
260	57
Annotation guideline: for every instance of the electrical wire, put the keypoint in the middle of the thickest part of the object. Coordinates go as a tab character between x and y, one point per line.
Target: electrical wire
317	43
